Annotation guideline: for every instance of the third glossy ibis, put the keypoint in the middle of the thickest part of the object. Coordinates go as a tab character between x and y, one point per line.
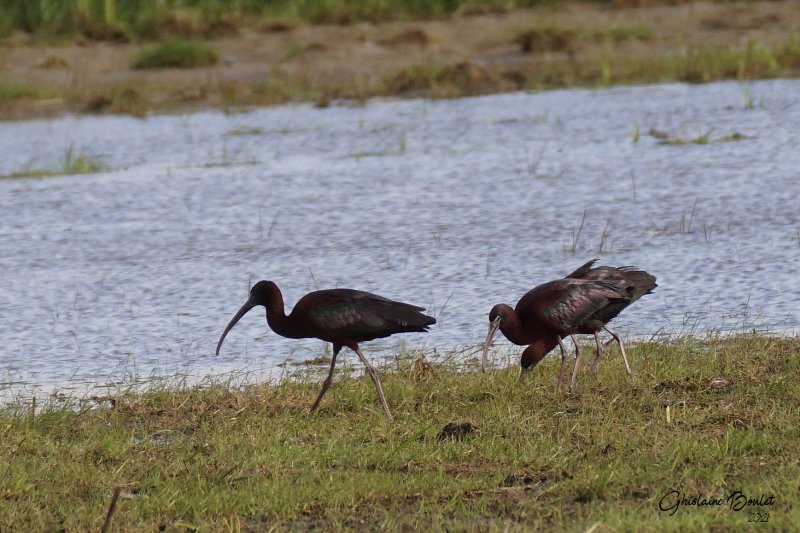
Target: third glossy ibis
343	317
549	312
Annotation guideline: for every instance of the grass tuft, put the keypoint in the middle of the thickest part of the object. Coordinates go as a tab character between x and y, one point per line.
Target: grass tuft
546	39
122	97
22	91
176	53
550	38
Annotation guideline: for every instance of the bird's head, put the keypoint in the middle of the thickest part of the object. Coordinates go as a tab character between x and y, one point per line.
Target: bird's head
535	352
496	317
262	293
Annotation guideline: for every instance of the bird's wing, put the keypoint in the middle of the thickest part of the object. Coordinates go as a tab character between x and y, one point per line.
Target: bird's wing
351	314
581	299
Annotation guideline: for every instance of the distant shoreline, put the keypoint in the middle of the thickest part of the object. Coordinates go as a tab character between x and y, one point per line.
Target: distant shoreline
558	45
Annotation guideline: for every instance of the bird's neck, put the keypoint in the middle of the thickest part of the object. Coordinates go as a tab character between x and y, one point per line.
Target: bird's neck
280	323
512	329
537	350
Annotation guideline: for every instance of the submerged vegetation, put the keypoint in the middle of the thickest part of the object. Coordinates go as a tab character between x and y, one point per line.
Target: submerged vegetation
703	417
72	162
704	138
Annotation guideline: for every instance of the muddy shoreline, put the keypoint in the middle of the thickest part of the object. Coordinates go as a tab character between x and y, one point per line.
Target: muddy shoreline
562	45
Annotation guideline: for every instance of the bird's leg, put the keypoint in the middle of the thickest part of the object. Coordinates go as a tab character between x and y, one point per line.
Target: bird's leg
621	349
575	366
375	380
598	354
328	380
563	364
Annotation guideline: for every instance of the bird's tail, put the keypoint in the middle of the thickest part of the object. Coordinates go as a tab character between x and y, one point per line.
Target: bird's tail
582	270
409	317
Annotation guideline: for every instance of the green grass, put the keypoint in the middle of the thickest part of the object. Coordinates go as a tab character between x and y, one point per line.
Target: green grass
176	54
125	20
697	65
22	91
704	417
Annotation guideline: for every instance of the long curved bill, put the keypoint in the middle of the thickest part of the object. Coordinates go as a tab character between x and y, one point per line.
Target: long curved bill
493	326
248	305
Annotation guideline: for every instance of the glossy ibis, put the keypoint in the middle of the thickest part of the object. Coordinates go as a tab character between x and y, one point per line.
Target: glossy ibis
637	283
343	317
548	313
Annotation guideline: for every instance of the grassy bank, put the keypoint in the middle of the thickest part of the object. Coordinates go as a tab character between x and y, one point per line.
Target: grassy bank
707	418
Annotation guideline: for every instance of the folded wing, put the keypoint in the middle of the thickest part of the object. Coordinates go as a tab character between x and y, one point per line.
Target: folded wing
360	316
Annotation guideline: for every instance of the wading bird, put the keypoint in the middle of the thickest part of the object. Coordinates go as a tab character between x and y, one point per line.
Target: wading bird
343	317
548	313
583	302
637	284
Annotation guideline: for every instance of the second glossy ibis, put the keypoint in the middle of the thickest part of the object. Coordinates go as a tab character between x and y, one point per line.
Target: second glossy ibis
637	283
343	317
548	313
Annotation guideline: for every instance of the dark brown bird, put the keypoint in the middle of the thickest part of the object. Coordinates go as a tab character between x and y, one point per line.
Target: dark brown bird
343	317
637	283
548	313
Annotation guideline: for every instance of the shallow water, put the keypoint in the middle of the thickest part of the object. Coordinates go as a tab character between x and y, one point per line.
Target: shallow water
454	205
